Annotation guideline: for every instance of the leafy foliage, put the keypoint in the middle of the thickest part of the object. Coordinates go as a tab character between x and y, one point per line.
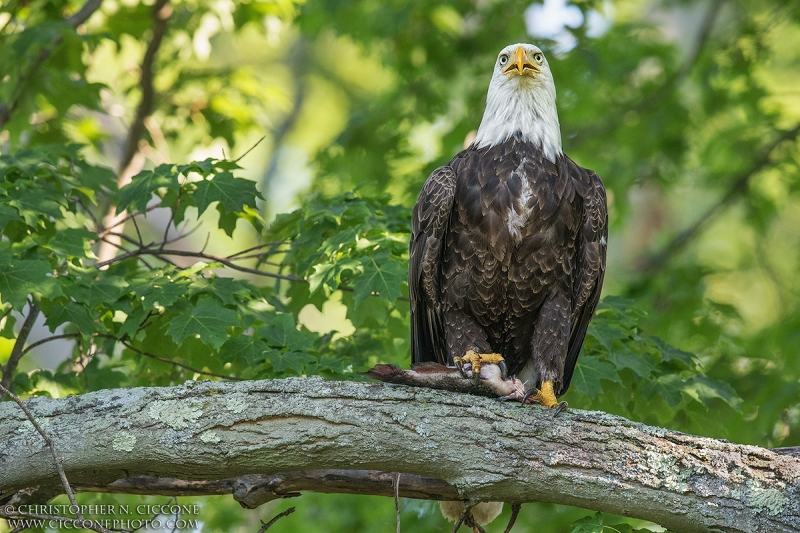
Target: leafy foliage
595	524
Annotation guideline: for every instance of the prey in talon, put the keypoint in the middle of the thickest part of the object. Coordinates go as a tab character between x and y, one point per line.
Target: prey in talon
488	381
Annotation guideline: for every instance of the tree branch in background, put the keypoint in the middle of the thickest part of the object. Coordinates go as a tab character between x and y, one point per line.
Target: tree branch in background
737	187
83	14
510	453
653	99
129	164
299	59
226	261
254	490
19	349
80	16
161	254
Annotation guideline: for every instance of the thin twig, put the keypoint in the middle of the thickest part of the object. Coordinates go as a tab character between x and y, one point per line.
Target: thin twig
182	235
199	255
266	526
458	522
396	483
138	231
260	246
165	238
50	339
249	149
56	458
122	220
19	346
86	209
131	240
128	253
515	507
174	363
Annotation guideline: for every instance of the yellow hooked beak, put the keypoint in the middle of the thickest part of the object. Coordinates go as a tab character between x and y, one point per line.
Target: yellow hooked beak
521	62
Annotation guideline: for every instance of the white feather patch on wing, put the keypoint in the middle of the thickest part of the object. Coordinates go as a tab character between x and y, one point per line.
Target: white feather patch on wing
519	216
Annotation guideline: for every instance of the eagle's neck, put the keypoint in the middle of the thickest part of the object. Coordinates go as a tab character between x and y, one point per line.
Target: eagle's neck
529	111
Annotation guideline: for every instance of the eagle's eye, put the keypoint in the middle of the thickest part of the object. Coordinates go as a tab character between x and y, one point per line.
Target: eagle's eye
503	59
538	57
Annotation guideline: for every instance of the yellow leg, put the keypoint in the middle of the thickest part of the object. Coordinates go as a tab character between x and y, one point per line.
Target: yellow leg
476	359
545	395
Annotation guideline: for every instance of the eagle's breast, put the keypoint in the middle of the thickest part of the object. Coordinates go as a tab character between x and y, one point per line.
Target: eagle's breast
520	210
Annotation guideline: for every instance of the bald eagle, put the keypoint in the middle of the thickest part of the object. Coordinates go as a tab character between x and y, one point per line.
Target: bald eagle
508	244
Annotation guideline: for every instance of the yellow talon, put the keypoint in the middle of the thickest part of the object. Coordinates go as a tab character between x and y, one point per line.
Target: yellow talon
477	359
545	396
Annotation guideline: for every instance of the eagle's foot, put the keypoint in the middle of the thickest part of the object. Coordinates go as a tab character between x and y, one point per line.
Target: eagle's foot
545	396
475	360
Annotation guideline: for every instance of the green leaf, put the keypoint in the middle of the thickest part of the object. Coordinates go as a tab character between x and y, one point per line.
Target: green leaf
143	186
18	279
231	192
207	321
71	313
161	290
282	332
670	353
703	389
105	290
588	373
669	386
227	220
381	275
8	214
283	361
72	242
34	201
589	524
228	290
606	334
132	323
244	347
642	365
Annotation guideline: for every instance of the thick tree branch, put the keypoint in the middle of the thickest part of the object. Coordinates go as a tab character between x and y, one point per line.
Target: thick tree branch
211	430
252	490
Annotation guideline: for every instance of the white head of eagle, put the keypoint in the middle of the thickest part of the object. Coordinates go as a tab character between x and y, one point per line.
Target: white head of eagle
521	99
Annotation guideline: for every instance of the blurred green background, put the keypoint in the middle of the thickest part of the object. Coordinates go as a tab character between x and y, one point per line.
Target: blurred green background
688	111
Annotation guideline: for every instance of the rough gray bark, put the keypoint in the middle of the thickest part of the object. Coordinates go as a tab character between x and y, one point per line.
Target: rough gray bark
487	449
